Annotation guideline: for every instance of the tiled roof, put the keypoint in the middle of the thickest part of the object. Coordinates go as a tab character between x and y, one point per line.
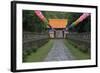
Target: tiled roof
58	23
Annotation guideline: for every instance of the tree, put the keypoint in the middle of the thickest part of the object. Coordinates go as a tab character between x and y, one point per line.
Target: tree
31	22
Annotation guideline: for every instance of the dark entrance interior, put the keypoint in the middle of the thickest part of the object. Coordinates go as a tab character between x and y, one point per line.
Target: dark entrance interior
59	34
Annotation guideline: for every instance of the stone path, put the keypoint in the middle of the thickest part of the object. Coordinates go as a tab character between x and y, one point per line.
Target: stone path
59	52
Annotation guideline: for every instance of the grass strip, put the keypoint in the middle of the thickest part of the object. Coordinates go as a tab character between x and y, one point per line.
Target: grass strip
41	53
79	55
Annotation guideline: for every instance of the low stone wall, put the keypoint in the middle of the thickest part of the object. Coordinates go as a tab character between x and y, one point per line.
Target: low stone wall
33	41
82	40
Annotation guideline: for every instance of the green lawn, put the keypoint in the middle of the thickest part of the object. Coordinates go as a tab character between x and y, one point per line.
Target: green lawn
41	53
79	55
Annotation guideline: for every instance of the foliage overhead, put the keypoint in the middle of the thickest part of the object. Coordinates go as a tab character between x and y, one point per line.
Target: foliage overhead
32	23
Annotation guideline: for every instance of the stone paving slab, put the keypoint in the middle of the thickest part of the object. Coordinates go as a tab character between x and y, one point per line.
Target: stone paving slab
59	52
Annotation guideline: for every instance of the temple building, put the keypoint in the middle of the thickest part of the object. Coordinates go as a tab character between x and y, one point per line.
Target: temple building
58	26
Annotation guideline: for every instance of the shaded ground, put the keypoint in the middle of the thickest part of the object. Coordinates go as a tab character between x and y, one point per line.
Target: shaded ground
59	52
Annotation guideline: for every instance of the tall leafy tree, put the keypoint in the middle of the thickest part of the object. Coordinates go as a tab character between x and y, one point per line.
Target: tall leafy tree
31	22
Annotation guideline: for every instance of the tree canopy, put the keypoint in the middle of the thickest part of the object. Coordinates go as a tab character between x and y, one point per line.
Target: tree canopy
32	23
